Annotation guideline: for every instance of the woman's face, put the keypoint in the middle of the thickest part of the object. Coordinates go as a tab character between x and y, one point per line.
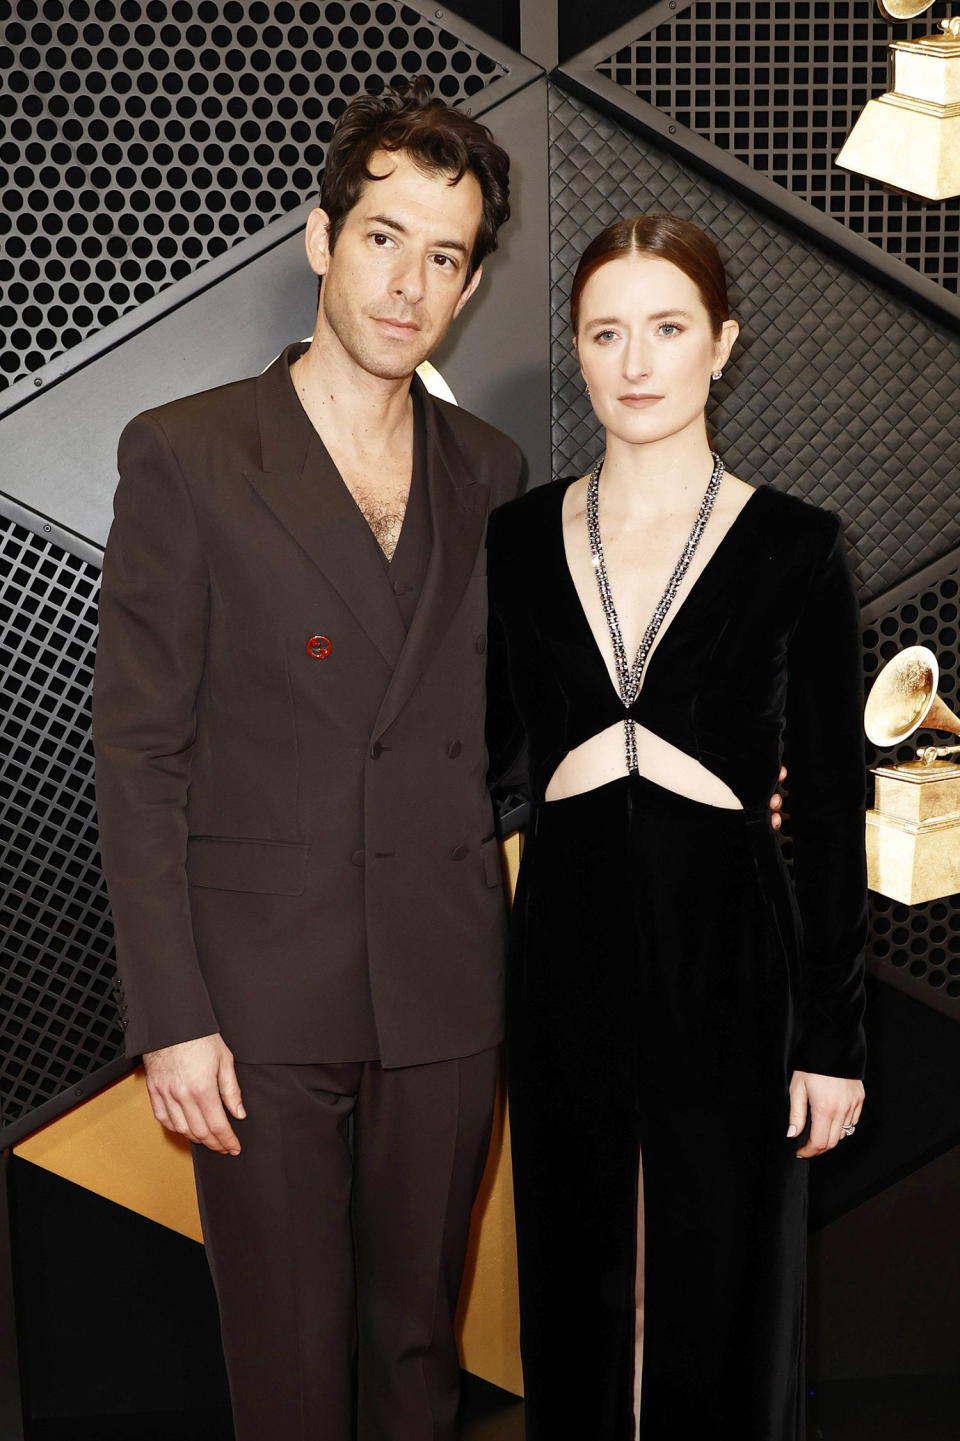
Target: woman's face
647	349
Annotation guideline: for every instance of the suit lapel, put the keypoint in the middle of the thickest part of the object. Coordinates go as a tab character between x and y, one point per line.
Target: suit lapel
300	484
458	511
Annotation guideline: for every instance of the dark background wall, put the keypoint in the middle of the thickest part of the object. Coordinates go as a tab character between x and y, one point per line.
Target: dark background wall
157	161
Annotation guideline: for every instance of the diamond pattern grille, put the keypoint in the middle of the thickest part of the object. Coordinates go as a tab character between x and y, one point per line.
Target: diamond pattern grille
58	1016
139	139
836	391
779	86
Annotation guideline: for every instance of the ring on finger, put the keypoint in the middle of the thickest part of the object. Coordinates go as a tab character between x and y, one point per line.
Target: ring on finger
847	1130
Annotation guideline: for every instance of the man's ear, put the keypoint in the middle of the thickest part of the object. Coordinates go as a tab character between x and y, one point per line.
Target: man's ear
468	290
317	241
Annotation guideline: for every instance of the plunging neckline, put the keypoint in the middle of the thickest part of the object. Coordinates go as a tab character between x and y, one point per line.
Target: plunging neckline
679	601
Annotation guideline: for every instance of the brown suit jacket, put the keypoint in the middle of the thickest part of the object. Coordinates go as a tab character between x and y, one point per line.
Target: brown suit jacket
298	847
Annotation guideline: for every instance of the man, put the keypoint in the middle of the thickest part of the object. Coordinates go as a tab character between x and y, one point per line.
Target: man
295	829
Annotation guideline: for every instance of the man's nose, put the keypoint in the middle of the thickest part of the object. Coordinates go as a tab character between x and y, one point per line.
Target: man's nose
409	280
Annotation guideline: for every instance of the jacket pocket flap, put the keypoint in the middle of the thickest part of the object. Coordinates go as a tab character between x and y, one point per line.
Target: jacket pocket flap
224	863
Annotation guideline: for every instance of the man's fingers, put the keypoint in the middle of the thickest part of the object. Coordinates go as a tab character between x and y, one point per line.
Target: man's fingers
185	1082
160	1109
209	1125
200	1119
178	1120
230	1088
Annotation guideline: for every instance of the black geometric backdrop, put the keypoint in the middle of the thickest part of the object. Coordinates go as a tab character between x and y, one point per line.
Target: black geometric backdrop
58	1013
139	139
779	86
836	390
918	947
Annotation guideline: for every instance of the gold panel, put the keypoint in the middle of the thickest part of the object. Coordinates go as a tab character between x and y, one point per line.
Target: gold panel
112	1145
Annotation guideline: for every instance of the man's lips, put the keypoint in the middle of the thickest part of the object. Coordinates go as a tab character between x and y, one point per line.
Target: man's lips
397	327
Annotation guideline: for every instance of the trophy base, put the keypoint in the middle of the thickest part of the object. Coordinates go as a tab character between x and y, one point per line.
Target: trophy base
910	137
913	834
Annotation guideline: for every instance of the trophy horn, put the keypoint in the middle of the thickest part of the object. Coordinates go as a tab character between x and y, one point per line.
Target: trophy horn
904	698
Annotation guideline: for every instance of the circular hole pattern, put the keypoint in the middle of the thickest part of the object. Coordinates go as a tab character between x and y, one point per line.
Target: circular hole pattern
157	133
920	943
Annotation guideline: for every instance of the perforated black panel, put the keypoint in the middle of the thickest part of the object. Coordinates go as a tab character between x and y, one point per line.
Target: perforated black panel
918	947
58	1017
141	138
779	86
836	391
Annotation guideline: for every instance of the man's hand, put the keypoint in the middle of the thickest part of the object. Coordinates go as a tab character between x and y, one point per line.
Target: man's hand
835	1104
776	801
189	1085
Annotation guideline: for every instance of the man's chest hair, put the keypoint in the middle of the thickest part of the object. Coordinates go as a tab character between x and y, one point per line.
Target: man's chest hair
383	509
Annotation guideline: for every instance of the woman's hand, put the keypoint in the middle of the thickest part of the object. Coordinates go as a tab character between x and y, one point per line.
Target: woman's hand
776	801
834	1103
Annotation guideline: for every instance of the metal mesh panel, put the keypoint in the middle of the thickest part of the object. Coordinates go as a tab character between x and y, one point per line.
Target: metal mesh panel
918	947
836	391
780	86
58	1016
141	138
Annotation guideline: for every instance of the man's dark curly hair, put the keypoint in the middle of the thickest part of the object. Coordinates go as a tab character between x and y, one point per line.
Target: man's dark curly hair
437	138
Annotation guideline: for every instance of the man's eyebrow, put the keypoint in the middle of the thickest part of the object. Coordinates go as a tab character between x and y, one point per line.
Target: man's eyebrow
401	229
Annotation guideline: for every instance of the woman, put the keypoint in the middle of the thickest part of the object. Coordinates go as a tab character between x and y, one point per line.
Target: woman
677	1006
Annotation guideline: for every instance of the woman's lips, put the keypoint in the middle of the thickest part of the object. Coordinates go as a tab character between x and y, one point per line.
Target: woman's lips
639	402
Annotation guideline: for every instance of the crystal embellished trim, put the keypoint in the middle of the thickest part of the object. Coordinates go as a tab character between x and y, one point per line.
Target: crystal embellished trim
630	678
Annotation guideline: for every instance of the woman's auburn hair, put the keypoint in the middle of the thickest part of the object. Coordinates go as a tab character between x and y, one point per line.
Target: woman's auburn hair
437	138
681	242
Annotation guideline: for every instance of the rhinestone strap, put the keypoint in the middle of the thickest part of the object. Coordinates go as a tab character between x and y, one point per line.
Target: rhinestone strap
629	678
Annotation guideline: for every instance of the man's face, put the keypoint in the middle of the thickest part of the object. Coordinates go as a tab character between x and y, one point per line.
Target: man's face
396	278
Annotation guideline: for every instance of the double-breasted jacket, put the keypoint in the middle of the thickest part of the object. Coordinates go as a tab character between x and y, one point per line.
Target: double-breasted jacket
295	826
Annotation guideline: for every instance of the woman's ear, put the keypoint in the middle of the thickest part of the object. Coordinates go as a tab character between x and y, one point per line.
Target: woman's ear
729	331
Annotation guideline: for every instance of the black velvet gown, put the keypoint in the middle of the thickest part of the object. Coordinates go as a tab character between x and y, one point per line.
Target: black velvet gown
668	973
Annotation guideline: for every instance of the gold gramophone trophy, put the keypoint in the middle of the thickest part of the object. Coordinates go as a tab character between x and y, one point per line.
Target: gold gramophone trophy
913	832
910	137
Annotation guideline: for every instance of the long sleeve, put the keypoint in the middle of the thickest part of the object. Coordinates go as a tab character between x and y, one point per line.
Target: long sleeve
825	756
150	662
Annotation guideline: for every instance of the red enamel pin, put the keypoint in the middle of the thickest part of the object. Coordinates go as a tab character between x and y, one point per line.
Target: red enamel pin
319	647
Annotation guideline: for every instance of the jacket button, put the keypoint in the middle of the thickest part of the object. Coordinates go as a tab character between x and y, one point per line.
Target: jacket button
376	750
453	749
358	858
480	644
459	853
400	587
